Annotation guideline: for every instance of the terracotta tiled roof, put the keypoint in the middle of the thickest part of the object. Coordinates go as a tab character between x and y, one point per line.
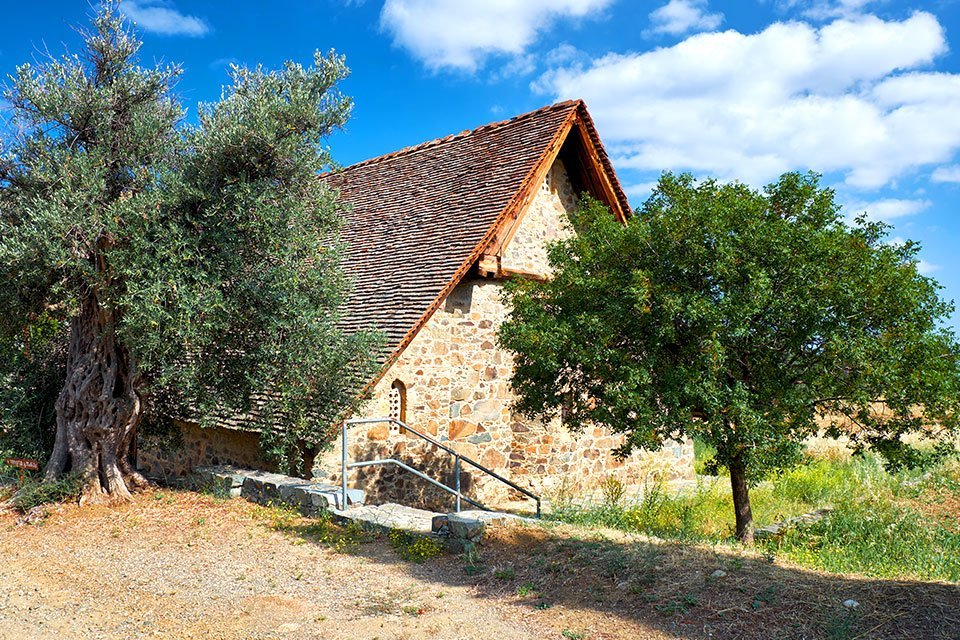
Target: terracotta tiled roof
418	218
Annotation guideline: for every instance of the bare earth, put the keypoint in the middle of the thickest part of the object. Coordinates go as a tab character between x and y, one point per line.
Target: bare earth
183	565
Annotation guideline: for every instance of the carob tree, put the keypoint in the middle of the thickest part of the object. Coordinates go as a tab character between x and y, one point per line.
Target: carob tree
193	268
748	319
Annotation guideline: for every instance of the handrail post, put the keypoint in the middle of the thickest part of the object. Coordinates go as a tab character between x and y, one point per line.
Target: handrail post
343	467
456	473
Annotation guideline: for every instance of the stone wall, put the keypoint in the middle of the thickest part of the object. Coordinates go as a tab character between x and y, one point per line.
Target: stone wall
457	389
544	222
457	385
189	446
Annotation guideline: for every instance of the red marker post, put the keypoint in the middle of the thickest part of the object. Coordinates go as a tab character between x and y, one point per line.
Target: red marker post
23	464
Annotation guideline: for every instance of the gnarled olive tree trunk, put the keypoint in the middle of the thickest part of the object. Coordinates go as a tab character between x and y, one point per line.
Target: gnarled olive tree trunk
98	410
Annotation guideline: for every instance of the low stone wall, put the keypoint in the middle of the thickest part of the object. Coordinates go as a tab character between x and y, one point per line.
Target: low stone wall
177	454
548	461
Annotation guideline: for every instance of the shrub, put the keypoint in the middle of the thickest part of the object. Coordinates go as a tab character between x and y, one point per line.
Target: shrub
613	491
34	493
413	547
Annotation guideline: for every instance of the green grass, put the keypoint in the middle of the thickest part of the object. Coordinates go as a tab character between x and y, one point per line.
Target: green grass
882	524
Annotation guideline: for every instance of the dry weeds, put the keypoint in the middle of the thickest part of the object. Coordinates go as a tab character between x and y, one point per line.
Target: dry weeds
182	565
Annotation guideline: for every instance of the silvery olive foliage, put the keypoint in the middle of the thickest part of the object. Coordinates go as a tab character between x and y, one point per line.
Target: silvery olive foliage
209	250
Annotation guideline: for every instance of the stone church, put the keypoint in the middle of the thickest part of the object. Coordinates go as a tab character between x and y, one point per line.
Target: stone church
432	232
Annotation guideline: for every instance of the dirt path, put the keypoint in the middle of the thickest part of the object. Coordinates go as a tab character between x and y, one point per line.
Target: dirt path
178	565
183	565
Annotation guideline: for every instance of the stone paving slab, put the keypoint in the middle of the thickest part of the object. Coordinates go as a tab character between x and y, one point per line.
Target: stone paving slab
493	517
388	517
461	530
264	487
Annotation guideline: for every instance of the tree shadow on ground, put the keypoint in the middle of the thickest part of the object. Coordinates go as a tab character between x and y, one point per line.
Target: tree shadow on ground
606	584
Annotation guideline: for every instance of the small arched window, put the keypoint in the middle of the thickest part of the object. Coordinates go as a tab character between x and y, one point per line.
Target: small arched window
398	403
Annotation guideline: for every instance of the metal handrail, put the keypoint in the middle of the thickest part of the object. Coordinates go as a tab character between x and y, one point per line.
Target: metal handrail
419	474
456	455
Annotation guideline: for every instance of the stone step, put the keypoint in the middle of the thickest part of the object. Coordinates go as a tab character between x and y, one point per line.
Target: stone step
264	488
389	517
460	530
222	478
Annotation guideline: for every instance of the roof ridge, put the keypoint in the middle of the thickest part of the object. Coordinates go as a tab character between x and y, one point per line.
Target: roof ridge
463	134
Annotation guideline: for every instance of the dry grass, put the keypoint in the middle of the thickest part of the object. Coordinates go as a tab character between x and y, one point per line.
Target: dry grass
183	565
645	584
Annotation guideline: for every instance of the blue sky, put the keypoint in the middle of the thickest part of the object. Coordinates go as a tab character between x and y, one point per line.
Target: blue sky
865	92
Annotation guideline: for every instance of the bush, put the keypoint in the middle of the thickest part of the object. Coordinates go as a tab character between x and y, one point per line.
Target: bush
34	493
413	547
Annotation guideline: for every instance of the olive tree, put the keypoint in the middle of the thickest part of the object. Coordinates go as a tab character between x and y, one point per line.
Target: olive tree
194	268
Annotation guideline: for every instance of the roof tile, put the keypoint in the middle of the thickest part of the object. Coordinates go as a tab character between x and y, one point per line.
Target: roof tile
415	216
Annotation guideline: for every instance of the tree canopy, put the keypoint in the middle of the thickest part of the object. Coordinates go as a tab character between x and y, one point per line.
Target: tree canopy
192	267
748	319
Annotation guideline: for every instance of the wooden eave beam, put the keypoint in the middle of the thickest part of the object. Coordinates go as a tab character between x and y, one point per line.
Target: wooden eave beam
511	221
595	177
595	172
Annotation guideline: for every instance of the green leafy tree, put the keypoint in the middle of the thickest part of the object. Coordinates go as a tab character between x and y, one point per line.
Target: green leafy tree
195	269
747	319
33	372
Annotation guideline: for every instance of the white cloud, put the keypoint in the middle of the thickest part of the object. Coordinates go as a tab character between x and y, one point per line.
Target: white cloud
926	268
947	174
160	16
825	9
522	64
565	53
462	34
793	96
887	209
683	16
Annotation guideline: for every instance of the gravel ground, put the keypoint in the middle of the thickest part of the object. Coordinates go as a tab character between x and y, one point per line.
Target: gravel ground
179	565
184	565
